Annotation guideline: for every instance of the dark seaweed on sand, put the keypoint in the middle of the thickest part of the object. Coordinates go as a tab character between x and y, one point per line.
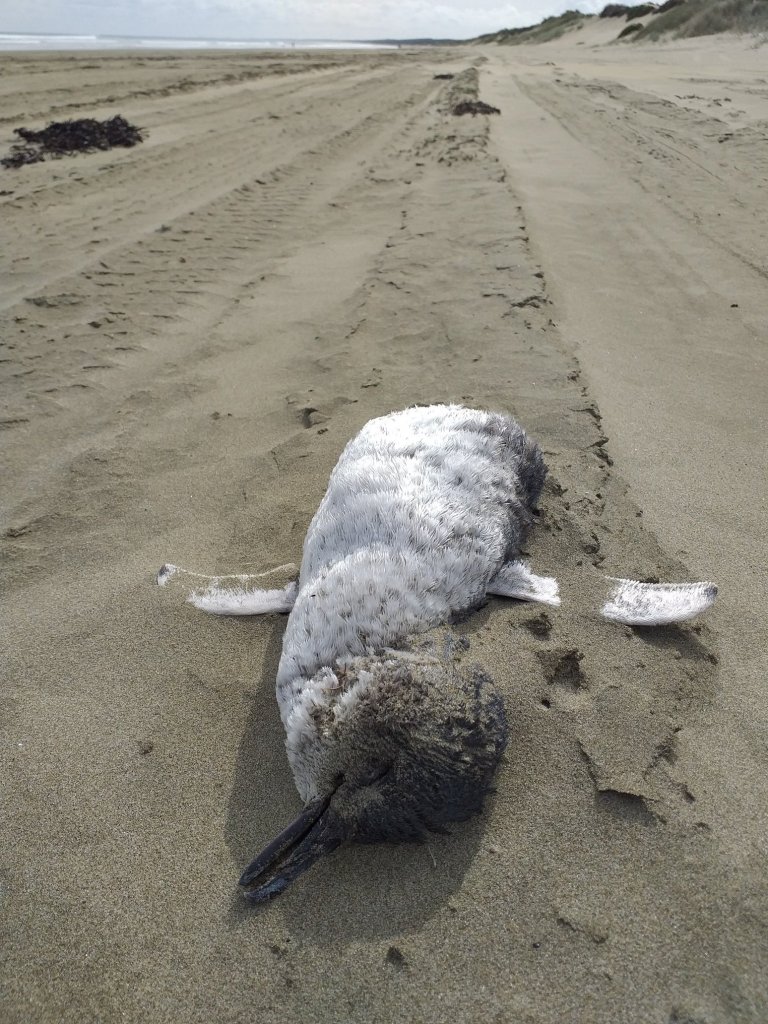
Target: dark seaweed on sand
64	138
474	107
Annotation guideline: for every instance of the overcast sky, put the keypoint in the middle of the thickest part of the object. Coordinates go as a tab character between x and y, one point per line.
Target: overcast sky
265	19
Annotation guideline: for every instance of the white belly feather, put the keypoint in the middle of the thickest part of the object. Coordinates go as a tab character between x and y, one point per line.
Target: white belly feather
418	517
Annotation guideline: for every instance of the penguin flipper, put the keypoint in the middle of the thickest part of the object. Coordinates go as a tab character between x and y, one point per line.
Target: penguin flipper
235	594
515	579
656	604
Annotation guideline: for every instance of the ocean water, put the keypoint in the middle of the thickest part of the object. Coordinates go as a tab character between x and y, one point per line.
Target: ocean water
17	41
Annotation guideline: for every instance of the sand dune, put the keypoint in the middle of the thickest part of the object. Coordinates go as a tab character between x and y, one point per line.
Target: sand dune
191	331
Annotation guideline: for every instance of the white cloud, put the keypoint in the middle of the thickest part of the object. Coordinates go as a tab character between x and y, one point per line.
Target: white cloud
350	19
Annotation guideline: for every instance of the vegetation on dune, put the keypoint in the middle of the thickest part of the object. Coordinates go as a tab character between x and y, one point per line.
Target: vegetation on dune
622	10
640	11
550	28
707	18
673	19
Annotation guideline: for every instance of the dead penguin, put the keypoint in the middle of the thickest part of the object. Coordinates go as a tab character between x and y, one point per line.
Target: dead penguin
424	516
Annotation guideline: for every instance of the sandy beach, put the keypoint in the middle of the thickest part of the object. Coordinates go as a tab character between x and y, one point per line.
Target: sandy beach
191	331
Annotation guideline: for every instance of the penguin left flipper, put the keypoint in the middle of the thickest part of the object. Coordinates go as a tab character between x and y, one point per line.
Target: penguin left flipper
515	579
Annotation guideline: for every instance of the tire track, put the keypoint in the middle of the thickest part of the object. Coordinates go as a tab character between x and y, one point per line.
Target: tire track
715	177
96	208
154	310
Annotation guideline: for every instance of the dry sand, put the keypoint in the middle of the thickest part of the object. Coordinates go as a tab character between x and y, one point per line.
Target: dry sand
191	331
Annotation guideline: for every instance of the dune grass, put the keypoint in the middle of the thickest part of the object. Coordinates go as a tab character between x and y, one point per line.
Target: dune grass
675	19
550	28
707	18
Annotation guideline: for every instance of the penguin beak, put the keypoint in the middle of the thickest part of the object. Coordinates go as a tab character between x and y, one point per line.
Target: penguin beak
318	830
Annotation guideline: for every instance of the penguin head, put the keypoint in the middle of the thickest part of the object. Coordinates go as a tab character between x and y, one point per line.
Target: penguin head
391	747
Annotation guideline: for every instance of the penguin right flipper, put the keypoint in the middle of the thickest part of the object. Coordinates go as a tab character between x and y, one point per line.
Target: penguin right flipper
656	604
235	594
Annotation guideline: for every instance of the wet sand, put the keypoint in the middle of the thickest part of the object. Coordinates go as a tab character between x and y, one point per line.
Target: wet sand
191	331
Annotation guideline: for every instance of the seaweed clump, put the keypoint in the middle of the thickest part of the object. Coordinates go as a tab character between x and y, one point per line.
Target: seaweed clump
65	138
474	107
